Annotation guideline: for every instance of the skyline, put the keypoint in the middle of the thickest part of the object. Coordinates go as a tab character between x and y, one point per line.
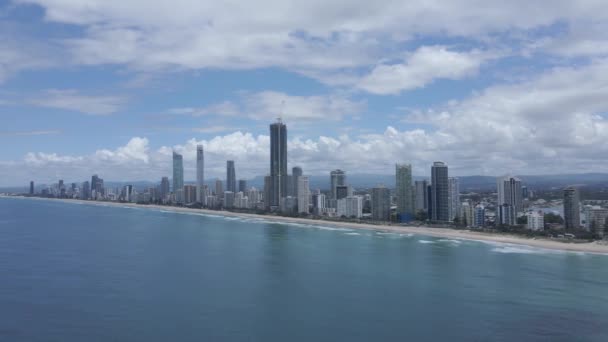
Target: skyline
508	93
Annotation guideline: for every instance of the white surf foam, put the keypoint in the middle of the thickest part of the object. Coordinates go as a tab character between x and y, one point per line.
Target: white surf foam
426	241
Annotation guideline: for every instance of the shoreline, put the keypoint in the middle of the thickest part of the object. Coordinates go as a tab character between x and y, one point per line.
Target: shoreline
585	247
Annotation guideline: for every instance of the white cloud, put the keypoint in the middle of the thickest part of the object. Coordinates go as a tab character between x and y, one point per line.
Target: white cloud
73	100
329	41
421	68
269	105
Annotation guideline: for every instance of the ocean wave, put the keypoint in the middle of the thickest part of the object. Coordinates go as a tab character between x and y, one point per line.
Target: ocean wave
452	241
352	233
426	241
521	250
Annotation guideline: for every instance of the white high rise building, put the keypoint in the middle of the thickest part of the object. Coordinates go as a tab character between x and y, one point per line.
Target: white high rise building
303	194
453	198
200	174
536	220
354	206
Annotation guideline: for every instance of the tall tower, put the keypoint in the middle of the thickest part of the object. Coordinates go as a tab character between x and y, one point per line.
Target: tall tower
337	177
381	204
278	163
200	174
453	198
572	218
439	192
230	176
178	176
421	195
405	198
510	192
31	187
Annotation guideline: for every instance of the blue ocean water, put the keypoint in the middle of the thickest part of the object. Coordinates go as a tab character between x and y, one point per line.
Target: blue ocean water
71	272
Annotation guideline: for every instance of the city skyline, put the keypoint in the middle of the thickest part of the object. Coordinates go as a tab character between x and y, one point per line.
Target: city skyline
508	93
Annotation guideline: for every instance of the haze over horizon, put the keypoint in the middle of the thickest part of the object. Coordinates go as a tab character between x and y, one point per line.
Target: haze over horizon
111	87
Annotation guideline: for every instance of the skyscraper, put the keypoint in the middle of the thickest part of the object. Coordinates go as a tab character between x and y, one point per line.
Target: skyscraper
293	181
278	163
381	204
453	198
94	180
219	188
439	192
86	191
422	201
200	174
510	191
178	177
242	185
337	177
31	187
164	188
303	192
572	218
230	176
405	198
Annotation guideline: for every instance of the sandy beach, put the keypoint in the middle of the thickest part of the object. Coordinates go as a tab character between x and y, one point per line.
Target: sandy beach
588	247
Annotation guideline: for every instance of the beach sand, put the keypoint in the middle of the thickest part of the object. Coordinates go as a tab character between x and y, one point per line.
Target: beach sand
587	247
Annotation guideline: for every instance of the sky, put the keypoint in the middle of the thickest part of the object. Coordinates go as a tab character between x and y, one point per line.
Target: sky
489	87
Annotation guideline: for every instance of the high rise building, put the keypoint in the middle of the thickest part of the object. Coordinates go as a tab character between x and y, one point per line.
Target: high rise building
303	193
31	187
86	191
439	192
219	188
243	185
94	180
405	197
572	218
479	217
228	199
381	204
164	188
536	220
453	198
351	207
343	191
337	178
467	213
278	163
509	190
506	215
421	203
293	181
190	193
230	176
318	204
200	174
267	191
178	172
595	220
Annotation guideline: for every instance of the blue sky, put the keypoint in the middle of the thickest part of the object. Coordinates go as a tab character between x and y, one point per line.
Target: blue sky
111	87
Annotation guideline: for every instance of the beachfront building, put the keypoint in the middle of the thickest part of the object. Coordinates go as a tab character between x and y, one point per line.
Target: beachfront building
536	220
404	190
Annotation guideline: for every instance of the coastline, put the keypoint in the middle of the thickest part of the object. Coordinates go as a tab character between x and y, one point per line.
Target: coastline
586	247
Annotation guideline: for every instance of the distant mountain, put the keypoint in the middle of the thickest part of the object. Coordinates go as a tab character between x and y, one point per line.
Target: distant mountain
361	181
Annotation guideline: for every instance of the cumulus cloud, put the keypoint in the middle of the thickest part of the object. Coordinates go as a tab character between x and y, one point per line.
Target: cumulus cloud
421	68
73	100
331	42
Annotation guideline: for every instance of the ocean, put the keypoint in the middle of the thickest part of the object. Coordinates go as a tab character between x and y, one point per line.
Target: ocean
79	272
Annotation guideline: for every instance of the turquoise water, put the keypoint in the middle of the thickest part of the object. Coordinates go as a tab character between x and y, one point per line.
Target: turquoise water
74	272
